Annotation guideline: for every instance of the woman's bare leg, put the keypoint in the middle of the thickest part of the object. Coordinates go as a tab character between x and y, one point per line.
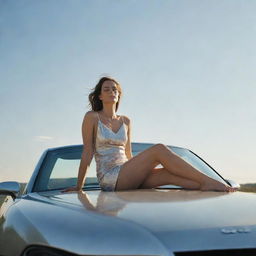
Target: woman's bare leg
161	176
136	170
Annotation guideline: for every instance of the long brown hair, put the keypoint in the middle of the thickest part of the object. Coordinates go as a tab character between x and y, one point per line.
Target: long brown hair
94	100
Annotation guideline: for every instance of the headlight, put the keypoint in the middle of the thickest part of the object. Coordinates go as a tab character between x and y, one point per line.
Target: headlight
37	250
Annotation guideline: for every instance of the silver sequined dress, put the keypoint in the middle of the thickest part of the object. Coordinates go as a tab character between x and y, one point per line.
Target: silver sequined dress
109	154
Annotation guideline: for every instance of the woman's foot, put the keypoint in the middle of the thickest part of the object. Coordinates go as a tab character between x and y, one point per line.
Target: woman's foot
214	185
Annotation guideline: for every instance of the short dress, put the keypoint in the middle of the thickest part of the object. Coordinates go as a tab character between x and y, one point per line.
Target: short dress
109	154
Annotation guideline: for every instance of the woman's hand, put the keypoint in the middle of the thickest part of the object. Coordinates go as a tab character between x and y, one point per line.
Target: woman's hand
72	189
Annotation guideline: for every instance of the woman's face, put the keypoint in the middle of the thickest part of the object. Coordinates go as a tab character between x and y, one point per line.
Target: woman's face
109	92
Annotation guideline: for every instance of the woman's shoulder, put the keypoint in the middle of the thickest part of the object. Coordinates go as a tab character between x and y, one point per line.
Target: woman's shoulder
126	119
91	115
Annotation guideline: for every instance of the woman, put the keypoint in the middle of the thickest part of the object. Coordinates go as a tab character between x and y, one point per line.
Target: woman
106	136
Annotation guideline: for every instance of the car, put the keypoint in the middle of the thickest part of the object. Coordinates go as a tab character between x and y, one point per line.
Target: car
167	220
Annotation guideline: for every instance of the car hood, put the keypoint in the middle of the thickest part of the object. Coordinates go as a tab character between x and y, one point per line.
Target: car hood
164	210
165	217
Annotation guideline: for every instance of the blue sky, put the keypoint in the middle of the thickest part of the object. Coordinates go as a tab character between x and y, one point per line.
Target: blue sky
186	69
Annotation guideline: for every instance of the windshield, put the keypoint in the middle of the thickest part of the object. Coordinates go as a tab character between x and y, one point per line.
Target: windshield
60	167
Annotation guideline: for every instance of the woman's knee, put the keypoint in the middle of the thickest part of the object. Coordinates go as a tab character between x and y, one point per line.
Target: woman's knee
160	147
159	150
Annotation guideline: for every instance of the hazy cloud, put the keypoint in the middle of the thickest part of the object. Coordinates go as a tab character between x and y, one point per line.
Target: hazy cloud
43	138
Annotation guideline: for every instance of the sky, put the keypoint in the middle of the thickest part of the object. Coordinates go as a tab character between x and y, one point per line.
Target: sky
186	67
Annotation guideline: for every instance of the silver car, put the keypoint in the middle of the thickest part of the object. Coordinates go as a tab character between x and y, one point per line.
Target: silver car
166	221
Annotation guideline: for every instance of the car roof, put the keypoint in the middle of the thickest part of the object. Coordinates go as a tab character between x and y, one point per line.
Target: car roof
134	146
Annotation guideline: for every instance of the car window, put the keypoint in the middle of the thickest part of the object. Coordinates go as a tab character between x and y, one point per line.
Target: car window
60	167
196	162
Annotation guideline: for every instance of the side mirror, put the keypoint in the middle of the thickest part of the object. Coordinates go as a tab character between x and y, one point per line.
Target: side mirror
233	184
11	188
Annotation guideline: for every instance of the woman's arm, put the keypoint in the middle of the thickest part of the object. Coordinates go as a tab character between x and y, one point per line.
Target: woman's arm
128	148
88	150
